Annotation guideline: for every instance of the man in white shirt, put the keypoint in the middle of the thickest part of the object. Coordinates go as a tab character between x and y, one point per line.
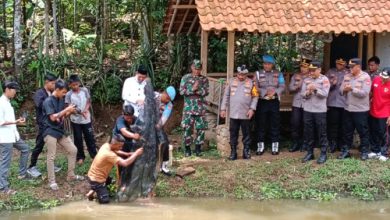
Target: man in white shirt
9	137
133	90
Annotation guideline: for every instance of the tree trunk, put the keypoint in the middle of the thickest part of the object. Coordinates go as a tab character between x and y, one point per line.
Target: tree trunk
55	25
47	27
18	36
74	15
5	28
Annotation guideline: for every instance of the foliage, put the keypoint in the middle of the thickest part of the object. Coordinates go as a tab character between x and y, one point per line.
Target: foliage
107	90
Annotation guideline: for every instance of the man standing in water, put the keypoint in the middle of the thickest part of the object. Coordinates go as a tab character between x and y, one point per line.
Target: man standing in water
194	87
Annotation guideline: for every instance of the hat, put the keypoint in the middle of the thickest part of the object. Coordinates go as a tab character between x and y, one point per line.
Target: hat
11	85
242	69
354	61
315	65
197	64
341	61
171	92
385	74
142	70
268	59
305	62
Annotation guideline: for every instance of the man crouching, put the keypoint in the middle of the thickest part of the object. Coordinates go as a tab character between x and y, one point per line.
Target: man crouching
108	156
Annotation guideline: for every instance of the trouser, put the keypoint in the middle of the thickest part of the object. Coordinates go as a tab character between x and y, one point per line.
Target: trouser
358	121
101	190
296	123
6	158
164	142
335	125
86	130
268	116
315	123
200	123
66	143
234	129
39	143
379	135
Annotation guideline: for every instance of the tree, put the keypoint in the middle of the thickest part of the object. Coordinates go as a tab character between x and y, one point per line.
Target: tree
18	36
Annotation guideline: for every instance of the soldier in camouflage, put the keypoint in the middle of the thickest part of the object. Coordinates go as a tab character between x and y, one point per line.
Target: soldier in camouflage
194	87
270	84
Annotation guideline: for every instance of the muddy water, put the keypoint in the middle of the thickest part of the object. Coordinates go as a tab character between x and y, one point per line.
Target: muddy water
213	209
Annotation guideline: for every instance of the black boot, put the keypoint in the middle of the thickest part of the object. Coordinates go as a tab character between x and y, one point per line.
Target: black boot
198	151
233	153
309	156
188	151
246	153
294	147
364	155
344	153
323	156
332	146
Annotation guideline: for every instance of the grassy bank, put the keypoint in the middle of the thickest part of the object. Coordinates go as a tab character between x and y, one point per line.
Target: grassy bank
262	177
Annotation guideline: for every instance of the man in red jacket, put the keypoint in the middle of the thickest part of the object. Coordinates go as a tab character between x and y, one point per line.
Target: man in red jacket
380	115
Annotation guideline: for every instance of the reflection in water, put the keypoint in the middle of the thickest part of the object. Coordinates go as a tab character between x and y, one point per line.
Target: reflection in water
214	209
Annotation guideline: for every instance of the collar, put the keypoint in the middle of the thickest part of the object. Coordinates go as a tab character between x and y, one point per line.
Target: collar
5	98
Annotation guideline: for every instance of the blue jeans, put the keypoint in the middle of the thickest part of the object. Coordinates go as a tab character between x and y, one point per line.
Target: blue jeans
6	157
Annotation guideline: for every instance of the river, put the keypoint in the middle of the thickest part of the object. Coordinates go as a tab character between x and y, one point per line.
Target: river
213	209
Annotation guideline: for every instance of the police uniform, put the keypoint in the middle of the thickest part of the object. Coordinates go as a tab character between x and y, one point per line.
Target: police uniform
297	108
336	105
240	97
356	110
314	115
268	108
194	110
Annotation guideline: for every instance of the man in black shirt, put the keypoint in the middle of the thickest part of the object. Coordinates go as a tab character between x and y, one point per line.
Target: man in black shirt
54	134
39	97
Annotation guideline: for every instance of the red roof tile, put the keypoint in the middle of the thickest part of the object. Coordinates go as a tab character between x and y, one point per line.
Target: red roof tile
283	16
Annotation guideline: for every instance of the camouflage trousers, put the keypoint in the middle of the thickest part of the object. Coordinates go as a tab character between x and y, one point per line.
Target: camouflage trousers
188	122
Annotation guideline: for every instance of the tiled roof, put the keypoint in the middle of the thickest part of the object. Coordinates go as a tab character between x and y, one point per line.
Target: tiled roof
284	16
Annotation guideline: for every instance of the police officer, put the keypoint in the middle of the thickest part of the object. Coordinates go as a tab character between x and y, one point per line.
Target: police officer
271	85
297	109
336	105
356	88
241	98
315	90
194	87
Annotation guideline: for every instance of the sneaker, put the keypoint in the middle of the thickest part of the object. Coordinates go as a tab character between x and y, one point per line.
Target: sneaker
373	155
54	187
383	158
34	172
57	169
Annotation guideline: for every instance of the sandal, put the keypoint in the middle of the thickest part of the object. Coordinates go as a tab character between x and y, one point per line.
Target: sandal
76	178
54	187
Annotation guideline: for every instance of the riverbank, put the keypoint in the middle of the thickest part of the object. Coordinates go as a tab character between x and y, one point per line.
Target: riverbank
262	177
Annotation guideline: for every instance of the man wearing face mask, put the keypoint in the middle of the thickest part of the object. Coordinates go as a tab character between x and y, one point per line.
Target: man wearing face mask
315	90
240	98
133	90
271	85
356	89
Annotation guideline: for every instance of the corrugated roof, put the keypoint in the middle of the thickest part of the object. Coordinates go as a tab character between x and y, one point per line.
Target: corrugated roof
293	16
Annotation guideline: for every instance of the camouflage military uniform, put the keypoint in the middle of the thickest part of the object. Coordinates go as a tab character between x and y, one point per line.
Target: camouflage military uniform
194	108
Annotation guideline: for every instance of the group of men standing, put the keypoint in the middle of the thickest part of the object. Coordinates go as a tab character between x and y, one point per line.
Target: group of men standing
326	109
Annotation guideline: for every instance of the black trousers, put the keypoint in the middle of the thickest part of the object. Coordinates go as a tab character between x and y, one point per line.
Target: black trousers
101	190
268	117
86	130
234	129
335	125
379	135
358	121
163	140
39	143
315	124
296	123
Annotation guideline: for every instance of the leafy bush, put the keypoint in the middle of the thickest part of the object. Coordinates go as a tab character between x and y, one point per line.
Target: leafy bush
107	90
